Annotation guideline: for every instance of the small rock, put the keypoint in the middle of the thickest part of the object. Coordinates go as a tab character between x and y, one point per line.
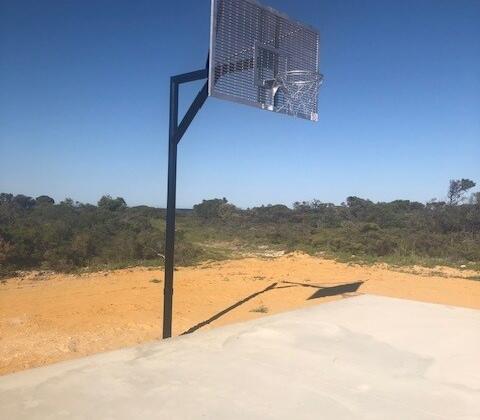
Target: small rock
72	345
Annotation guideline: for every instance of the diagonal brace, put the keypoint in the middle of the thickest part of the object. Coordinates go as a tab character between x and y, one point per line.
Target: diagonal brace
192	112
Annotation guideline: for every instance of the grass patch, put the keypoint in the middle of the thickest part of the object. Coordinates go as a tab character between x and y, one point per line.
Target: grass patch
262	309
400	261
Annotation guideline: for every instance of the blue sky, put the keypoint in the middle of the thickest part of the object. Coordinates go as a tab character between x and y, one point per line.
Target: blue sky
84	104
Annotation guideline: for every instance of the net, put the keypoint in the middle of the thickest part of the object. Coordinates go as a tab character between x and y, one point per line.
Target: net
295	92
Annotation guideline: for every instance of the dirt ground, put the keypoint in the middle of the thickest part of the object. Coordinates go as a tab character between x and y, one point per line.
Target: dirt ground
49	318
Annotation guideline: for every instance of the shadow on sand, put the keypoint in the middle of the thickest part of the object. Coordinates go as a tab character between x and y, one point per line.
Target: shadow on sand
323	291
230	308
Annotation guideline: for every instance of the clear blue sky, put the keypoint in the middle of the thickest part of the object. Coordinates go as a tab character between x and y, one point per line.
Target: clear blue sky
84	104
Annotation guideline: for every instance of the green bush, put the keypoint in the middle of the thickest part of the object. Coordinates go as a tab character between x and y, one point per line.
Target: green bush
37	233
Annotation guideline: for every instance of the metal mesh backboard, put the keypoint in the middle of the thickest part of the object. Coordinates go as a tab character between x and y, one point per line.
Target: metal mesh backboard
254	52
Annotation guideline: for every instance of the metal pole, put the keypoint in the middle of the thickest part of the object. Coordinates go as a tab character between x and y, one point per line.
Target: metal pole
176	132
171	204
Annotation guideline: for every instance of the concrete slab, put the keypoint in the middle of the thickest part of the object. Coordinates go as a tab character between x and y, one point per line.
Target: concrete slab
366	357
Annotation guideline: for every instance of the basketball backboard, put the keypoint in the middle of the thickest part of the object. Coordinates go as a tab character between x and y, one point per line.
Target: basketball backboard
261	57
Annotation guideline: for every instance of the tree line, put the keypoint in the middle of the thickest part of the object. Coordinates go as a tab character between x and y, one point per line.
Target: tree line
37	233
444	231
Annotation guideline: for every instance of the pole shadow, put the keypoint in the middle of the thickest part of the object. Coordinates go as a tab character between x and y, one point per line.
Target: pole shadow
230	308
323	291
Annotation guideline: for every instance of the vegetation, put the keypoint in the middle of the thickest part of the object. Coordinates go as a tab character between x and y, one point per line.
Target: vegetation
39	234
36	233
262	309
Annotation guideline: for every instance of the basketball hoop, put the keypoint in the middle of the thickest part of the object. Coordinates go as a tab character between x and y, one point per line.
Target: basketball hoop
296	93
262	58
252	51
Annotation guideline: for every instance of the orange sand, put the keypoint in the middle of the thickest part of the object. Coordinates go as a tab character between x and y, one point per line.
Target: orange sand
49	318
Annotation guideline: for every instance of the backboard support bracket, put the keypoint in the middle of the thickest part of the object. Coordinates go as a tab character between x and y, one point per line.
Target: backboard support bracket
176	132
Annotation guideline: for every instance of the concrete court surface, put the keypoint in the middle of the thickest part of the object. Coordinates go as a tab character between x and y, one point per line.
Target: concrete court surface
364	357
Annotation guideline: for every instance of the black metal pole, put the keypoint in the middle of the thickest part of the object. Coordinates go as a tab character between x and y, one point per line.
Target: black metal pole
171	204
176	132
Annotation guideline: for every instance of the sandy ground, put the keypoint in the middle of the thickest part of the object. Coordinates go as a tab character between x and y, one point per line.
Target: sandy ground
49	318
